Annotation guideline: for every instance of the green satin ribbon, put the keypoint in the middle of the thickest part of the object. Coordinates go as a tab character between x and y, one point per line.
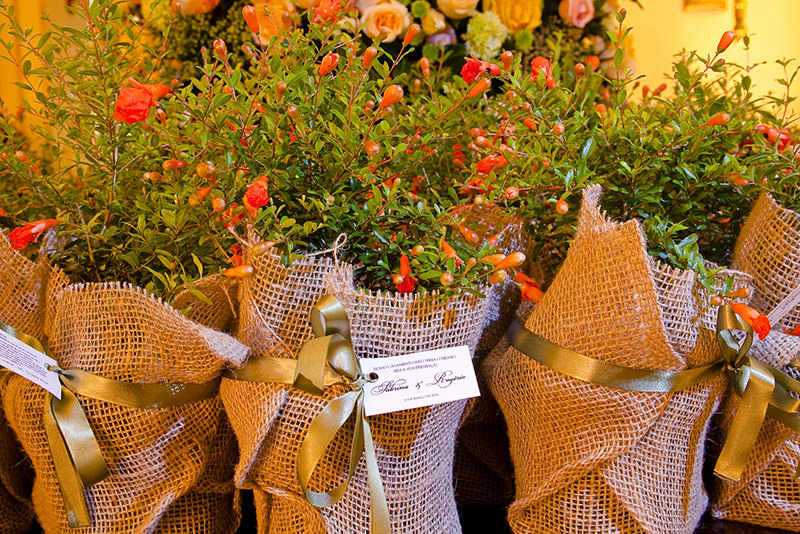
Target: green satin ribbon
603	373
326	360
764	390
77	458
332	347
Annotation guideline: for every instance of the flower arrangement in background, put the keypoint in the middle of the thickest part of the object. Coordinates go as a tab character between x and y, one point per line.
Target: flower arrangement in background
462	27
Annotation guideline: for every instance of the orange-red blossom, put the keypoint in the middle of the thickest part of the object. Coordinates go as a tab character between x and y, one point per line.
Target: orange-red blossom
754	318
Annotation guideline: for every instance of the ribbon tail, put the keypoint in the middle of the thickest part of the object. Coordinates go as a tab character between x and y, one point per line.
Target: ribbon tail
77	463
320	434
380	523
747	421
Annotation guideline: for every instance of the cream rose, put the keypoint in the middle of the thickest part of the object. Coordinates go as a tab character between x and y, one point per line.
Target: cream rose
433	22
457	9
576	12
517	15
387	18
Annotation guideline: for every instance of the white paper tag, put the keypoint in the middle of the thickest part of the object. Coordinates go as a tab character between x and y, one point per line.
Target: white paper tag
420	379
785	307
28	362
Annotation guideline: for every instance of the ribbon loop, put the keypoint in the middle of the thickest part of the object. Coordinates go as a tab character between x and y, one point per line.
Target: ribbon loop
764	390
332	346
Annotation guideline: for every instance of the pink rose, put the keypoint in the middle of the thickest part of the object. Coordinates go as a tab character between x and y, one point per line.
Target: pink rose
576	12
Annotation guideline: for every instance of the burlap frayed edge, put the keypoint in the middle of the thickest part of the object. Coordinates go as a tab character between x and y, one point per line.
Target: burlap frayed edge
58	285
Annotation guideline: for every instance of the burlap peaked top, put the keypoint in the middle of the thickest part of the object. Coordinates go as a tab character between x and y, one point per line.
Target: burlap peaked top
594	459
768	494
22	287
156	458
414	448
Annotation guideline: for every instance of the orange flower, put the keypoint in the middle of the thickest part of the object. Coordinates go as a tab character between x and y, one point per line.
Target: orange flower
754	318
531	291
404	281
257	194
23	236
132	105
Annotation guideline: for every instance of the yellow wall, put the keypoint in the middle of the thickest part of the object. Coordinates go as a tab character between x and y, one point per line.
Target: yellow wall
29	13
663	28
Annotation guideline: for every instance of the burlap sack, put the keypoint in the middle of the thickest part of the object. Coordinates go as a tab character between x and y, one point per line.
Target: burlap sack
482	473
22	283
589	458
161	461
275	303
414	447
767	494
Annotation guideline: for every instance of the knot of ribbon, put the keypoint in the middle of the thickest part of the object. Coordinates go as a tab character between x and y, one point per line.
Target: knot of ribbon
764	390
76	454
332	349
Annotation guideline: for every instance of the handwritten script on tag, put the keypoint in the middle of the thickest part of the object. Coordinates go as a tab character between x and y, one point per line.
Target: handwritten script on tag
418	380
28	362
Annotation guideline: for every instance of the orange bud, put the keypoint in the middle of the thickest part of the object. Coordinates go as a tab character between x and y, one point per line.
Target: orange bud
329	63
425	66
470	236
720	119
507	58
203	192
446	279
250	17
494	259
372	148
562	207
205	170
280	89
498	277
411	33
515	259
260	248
220	49
725	41
241	271
218	204
391	96
418	249
480	86
369	56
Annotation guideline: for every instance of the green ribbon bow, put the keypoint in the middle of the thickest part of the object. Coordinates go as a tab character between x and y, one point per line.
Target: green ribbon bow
332	346
764	390
328	360
77	458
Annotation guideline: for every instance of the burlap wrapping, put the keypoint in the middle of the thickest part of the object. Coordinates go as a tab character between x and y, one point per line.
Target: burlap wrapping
482	471
414	447
164	476
768	493
22	284
593	459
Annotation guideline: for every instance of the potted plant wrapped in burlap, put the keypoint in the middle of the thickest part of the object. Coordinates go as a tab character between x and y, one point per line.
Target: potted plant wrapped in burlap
22	288
162	450
136	300
414	448
767	491
600	458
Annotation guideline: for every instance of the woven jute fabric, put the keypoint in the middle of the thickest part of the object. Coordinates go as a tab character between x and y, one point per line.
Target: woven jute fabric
269	420
482	472
22	286
768	493
160	461
589	458
414	447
